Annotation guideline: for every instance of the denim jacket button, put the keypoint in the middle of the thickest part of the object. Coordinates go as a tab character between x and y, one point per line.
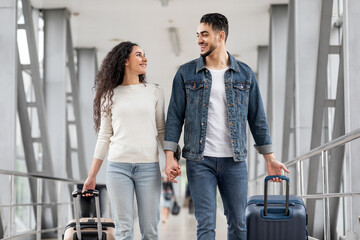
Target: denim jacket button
204	105
200	141
202	124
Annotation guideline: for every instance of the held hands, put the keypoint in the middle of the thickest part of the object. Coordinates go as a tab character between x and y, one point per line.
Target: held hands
274	167
172	166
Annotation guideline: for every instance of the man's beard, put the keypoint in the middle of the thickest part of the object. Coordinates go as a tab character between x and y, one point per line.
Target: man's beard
212	48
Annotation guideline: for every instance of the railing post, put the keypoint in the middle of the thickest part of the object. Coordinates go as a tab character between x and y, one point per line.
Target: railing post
60	214
300	178
325	177
38	207
348	188
12	185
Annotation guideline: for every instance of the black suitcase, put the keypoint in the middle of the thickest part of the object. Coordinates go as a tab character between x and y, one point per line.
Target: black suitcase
89	228
276	217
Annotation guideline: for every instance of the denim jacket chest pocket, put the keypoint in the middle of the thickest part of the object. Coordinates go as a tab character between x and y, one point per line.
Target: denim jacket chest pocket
194	91
241	91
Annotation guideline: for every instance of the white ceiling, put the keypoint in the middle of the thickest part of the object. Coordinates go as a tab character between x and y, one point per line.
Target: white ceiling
146	22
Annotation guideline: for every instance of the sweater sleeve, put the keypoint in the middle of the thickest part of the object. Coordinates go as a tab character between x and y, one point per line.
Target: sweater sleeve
160	115
104	135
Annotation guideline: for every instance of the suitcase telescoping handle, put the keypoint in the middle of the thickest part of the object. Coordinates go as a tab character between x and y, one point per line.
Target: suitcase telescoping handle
95	193
287	192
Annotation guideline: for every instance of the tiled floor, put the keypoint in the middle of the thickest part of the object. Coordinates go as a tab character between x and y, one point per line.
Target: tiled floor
183	227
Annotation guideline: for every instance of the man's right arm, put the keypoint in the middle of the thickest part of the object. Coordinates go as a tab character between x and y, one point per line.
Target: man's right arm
174	123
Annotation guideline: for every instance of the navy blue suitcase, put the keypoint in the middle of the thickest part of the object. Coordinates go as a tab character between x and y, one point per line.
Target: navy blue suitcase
276	217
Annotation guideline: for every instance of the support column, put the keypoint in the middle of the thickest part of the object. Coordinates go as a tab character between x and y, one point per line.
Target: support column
352	86
337	154
262	77
55	83
55	77
8	107
307	38
315	223
263	71
277	63
74	105
37	103
300	78
288	114
8	74
307	31
87	70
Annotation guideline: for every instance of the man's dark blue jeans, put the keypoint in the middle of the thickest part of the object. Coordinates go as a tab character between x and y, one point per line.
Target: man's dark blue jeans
231	178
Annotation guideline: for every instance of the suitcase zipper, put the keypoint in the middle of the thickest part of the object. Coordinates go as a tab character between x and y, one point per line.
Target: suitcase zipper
276	202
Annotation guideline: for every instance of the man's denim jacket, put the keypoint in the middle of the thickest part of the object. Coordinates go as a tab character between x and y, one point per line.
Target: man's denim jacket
189	104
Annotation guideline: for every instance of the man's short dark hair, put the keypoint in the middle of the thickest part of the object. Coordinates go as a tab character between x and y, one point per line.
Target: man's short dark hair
217	21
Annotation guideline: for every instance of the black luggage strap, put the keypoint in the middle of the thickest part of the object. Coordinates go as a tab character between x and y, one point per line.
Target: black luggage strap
90	226
105	225
91	236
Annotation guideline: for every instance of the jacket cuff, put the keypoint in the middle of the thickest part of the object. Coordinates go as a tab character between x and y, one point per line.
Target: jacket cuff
264	149
172	146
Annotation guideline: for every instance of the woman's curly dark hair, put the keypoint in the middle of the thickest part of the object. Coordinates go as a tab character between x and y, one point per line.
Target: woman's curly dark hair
110	76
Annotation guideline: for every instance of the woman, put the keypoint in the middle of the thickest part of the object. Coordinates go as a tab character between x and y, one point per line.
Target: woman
129	118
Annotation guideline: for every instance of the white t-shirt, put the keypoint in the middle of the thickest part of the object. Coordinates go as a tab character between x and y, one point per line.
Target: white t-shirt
136	122
218	140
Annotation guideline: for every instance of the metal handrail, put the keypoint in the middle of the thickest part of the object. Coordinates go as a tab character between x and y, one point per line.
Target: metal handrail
35	204
327	146
29	233
330	195
325	196
39	177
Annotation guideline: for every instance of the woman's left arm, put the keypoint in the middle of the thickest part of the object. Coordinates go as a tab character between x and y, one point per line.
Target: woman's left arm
160	114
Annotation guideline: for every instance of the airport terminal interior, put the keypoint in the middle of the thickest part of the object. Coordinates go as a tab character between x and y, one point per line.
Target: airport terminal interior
305	54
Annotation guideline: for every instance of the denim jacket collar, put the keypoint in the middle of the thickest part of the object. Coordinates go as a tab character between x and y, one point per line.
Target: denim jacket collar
200	65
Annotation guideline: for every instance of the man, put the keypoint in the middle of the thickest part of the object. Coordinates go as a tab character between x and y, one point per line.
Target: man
214	96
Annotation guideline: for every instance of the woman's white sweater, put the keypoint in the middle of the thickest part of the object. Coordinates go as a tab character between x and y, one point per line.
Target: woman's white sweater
134	127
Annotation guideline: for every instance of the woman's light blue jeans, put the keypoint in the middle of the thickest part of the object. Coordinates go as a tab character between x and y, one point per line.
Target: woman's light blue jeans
231	179
122	180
